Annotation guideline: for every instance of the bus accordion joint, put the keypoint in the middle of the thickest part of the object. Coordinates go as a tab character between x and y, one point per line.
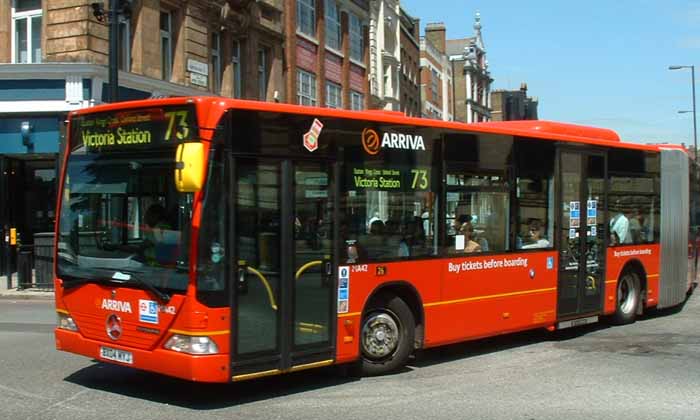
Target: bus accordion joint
189	167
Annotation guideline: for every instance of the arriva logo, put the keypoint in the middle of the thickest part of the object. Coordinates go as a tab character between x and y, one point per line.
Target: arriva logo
116	305
371	144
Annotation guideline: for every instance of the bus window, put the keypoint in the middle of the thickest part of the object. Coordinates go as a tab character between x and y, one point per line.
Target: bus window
481	201
634	196
477	191
534	194
212	238
388	199
401	224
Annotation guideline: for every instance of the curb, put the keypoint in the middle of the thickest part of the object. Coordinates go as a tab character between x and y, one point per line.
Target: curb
46	296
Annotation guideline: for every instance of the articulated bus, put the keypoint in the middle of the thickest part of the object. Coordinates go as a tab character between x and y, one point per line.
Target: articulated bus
220	240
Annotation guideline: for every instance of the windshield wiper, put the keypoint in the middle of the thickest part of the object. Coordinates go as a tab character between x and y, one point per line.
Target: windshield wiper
70	281
127	276
133	277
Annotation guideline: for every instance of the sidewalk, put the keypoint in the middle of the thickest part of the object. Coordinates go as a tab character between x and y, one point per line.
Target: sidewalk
12	292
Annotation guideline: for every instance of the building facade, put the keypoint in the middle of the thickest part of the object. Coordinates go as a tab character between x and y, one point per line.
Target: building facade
54	56
472	79
436	78
326	53
511	105
409	83
385	54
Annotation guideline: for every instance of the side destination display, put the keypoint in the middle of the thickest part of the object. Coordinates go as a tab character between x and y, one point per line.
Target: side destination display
388	179
140	128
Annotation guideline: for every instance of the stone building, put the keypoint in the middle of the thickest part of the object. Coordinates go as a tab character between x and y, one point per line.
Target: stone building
436	78
326	53
510	105
409	84
54	56
472	80
385	54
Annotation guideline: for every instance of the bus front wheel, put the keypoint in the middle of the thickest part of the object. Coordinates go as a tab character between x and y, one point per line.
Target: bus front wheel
387	335
627	299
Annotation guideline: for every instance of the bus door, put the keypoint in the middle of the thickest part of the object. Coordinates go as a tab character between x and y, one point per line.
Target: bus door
283	234
582	228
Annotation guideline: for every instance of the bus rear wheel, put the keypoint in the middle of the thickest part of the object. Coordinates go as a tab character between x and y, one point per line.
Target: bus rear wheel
627	299
386	336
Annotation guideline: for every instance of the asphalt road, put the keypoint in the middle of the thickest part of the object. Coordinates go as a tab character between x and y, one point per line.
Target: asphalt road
648	370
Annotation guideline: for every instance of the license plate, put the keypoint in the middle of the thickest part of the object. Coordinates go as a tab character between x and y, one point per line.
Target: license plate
117	355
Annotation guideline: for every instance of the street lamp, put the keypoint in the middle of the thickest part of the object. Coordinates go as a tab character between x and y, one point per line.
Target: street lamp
695	126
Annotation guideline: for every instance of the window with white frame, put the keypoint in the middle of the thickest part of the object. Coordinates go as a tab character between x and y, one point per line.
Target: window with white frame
216	62
124	43
306	17
237	66
306	88
332	24
263	56
355	33
26	31
166	44
357	101
334	95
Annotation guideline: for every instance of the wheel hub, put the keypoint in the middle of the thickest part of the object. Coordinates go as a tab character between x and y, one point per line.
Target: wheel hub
626	295
380	335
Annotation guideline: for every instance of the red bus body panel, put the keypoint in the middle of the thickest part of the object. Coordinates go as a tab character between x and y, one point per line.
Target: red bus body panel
463	296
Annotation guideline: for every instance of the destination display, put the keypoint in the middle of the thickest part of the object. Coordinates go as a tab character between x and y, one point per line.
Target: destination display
388	179
141	128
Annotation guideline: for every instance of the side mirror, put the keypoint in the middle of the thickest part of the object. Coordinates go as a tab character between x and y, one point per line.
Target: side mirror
189	167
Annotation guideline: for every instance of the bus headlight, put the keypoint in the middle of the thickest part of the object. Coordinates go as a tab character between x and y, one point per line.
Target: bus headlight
65	322
191	344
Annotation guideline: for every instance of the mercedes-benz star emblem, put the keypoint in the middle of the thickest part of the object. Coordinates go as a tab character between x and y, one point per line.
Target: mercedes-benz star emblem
114	327
114	294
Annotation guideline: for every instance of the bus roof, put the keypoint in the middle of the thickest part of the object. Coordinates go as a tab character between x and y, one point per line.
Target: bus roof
541	129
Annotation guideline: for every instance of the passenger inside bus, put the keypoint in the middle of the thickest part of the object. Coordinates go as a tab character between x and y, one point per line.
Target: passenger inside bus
620	228
470	246
536	236
159	246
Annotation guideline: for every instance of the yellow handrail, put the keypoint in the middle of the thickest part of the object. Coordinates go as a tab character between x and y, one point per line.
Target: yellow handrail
305	267
265	283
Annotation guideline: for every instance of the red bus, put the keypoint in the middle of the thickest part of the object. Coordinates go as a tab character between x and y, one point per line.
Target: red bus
220	240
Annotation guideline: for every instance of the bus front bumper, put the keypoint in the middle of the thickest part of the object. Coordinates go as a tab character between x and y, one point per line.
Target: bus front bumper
206	368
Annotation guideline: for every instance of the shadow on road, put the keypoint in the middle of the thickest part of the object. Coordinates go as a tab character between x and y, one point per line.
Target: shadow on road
198	396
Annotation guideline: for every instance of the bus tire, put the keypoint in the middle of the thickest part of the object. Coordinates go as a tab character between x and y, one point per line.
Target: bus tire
627	298
386	336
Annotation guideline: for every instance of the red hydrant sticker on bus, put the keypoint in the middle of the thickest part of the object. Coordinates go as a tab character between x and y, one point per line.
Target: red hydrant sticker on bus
311	137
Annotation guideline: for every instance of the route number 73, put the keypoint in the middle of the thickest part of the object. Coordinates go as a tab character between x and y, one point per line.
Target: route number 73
420	179
183	130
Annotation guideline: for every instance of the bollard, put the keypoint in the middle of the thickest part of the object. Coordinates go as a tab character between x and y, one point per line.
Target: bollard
24	267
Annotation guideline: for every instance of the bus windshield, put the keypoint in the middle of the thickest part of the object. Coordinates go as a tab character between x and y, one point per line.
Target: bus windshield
121	216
